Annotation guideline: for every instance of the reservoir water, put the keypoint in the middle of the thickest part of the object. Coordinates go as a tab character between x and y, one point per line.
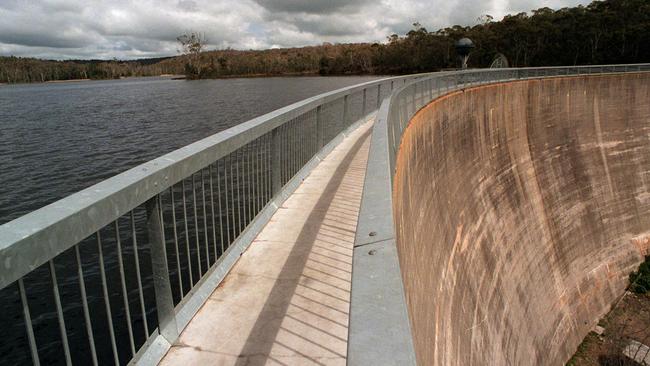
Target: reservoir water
56	139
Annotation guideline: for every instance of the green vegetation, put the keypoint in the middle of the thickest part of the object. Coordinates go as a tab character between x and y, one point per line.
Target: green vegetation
640	280
603	32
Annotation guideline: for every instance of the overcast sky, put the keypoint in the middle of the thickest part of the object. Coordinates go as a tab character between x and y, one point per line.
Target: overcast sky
125	29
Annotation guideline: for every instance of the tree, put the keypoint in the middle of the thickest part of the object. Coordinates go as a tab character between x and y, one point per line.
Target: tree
192	44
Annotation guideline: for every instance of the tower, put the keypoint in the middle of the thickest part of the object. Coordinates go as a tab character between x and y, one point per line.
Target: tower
463	48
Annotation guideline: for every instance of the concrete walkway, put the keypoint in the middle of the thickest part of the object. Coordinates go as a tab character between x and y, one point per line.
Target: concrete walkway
287	300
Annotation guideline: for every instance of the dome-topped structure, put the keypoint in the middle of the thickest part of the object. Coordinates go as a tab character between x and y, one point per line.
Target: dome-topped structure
463	48
464	45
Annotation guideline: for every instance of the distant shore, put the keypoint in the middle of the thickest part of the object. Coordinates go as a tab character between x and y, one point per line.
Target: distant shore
183	77
169	76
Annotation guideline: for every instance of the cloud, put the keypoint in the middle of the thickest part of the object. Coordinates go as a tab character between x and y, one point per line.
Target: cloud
63	29
312	7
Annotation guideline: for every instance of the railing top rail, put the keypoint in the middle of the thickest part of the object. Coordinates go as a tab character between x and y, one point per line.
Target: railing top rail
31	240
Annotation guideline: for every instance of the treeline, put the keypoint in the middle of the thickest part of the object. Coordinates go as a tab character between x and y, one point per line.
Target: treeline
603	32
26	70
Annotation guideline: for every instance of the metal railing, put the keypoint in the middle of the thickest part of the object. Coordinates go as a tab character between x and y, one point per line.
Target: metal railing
379	334
113	273
129	261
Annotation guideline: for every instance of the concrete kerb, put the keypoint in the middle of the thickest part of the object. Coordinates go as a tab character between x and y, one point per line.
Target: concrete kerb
379	332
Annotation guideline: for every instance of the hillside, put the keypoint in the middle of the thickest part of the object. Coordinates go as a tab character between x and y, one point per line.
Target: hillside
604	32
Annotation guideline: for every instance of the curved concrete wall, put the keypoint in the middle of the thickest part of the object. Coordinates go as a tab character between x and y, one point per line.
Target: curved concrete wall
520	210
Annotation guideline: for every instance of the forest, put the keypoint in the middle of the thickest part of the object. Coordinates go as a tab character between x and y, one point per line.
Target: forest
603	32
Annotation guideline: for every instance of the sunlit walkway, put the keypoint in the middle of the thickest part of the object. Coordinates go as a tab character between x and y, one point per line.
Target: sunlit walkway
287	300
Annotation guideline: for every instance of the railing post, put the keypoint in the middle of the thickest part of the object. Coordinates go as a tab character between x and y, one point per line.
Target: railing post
162	287
319	127
276	181
378	96
363	109
414	91
415	96
346	106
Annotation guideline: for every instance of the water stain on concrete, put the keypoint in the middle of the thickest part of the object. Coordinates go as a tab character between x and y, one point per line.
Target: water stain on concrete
520	210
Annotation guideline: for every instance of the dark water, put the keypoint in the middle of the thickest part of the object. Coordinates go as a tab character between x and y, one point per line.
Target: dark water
56	139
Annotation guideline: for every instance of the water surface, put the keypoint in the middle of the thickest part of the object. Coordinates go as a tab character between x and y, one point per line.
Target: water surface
58	138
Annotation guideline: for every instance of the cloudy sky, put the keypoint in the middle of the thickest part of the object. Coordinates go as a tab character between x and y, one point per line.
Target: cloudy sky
126	29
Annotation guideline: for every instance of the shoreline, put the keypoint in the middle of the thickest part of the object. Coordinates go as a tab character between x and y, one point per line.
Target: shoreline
166	76
183	77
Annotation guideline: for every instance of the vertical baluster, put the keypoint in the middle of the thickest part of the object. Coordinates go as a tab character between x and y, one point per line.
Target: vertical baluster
196	228
232	198
247	185
318	130
363	109
139	277
225	183
275	147
257	159
84	303
127	310
205	221
268	138
238	159
346	116
294	149
220	210
314	134
297	128
256	176
187	236
243	186
178	258
279	149
214	225
288	142
289	152
251	181
28	323
59	313
107	302
378	95
304	140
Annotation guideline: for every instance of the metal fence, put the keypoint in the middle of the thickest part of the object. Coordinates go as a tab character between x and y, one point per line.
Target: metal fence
113	273
380	334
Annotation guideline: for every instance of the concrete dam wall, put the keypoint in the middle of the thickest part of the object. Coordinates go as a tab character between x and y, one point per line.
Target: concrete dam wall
520	209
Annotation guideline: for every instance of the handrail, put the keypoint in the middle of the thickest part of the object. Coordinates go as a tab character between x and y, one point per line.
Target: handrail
379	330
67	221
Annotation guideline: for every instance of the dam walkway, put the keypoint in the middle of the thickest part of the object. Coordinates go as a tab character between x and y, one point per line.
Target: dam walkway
287	299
